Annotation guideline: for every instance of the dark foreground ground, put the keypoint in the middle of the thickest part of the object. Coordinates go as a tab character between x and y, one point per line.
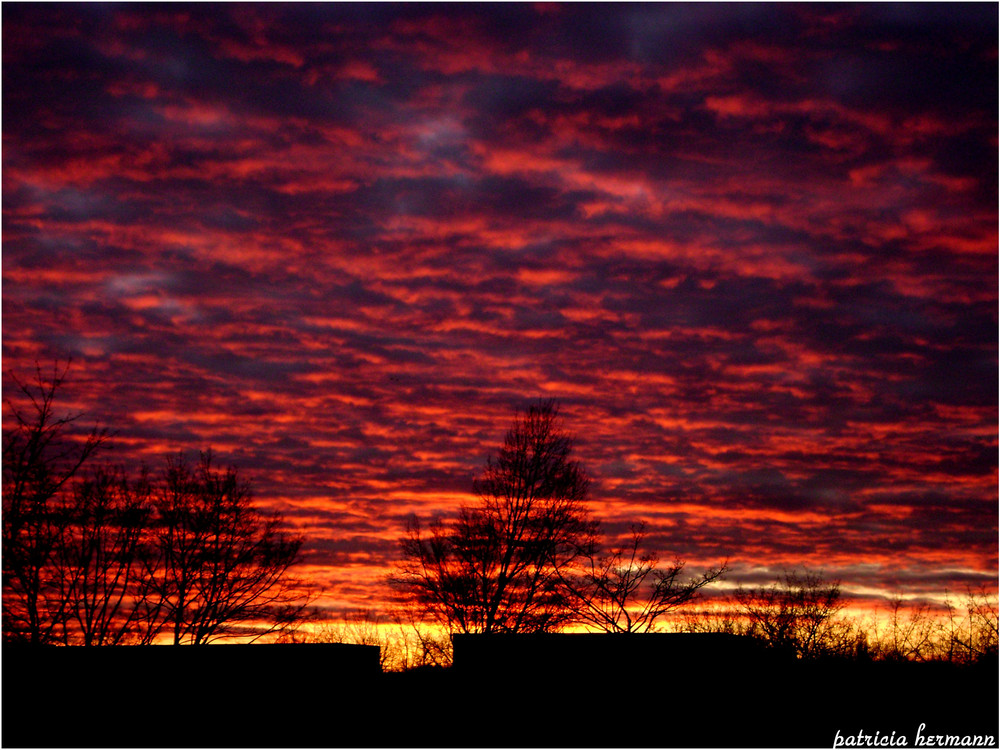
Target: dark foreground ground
514	693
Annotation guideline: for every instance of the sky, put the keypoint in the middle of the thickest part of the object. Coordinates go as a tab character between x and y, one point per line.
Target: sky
750	249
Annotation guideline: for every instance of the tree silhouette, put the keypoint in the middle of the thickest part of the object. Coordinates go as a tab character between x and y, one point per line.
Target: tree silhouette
40	458
974	636
93	558
499	566
218	567
795	613
99	565
627	591
909	632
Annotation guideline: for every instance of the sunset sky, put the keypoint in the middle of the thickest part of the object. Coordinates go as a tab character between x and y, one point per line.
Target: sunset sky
751	249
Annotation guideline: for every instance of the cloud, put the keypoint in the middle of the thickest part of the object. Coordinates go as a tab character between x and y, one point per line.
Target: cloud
752	251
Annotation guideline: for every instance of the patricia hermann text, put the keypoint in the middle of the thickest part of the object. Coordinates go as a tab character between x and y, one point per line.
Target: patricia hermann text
923	738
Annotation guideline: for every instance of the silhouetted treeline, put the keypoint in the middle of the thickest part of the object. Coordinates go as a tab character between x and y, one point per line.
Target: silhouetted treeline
95	557
803	613
526	556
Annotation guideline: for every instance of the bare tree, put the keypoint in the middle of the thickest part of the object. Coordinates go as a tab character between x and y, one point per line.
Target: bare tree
497	567
971	629
98	565
40	458
910	632
219	567
984	622
796	612
96	559
627	591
